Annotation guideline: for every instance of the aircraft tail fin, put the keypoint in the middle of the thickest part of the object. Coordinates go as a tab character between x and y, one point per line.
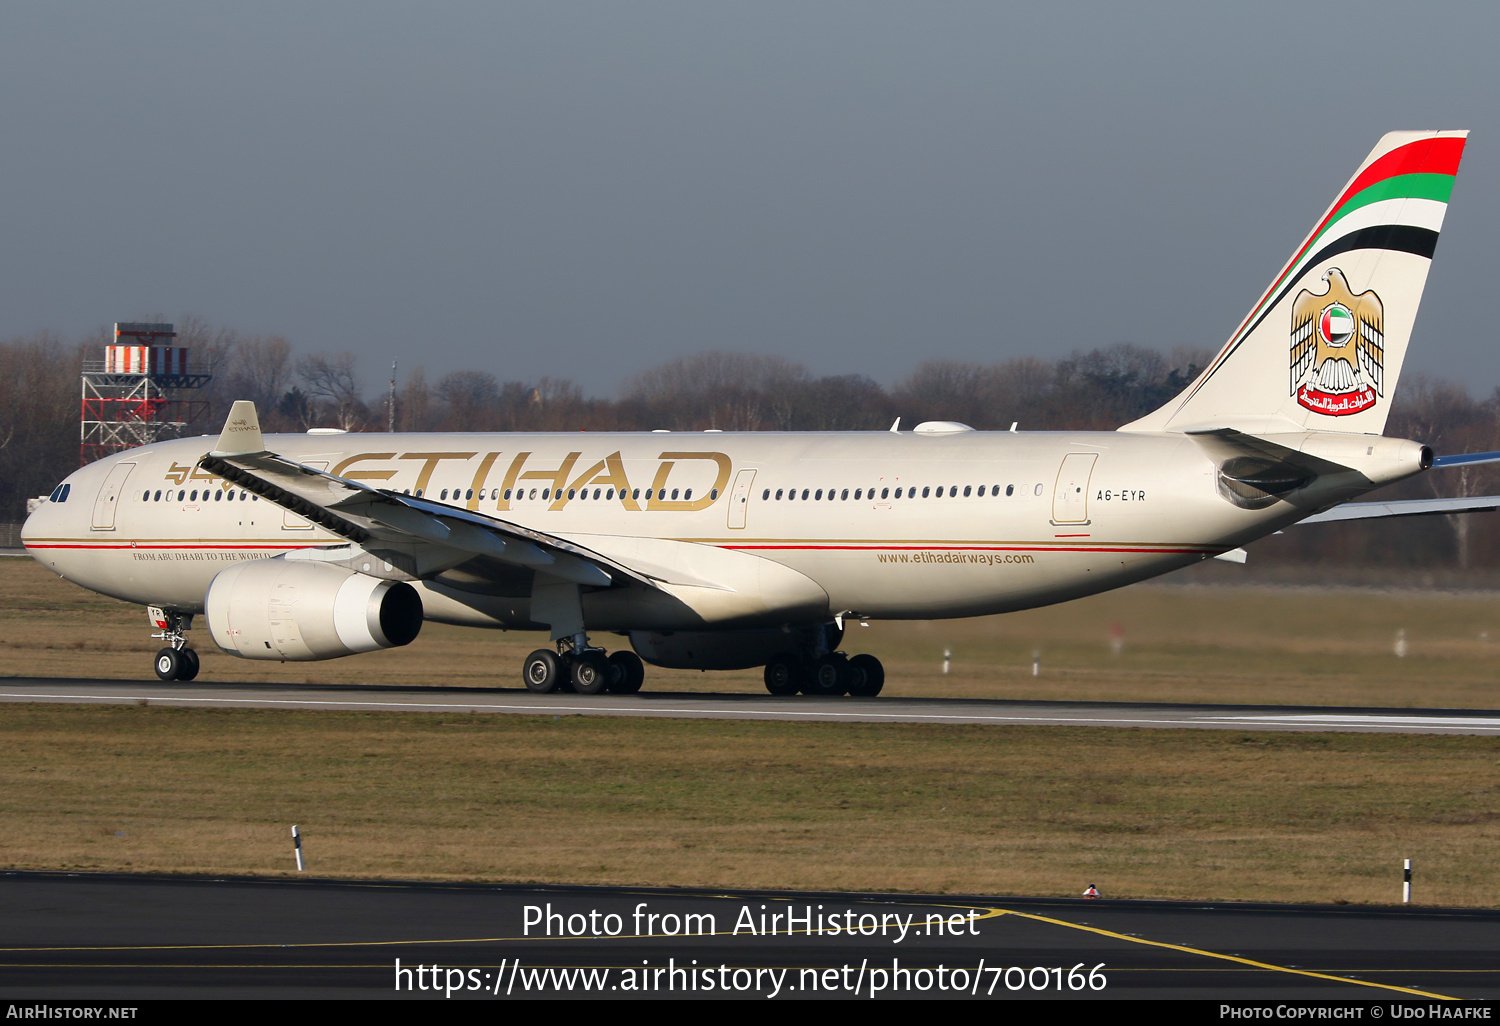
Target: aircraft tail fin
1322	348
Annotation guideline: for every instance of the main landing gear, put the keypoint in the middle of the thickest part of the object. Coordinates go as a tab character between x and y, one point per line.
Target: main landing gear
176	661
832	673
577	666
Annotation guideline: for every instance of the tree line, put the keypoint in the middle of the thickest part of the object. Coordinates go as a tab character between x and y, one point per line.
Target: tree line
1095	390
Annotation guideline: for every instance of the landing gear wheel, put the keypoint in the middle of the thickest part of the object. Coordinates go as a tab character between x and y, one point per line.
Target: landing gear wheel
189	668
829	675
866	676
590	673
169	663
542	671
784	674
627	673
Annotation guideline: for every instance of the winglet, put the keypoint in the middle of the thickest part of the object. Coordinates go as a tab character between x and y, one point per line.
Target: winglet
241	435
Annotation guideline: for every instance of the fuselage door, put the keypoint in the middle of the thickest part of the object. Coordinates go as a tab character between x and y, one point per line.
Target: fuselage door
109	496
739	499
1070	500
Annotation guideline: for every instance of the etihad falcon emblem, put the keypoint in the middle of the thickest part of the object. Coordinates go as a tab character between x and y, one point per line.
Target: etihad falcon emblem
1338	348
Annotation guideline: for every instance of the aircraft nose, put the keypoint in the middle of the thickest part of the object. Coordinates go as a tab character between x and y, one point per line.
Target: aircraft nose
44	521
35	525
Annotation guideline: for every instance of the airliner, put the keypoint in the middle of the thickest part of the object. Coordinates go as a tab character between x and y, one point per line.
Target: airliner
718	550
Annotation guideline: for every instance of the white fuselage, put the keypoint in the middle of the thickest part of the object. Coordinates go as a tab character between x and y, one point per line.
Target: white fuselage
1037	517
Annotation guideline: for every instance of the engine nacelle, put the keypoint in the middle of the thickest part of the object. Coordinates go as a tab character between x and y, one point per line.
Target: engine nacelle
299	610
724	650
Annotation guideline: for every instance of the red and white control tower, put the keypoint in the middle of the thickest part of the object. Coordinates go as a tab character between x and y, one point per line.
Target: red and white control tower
142	391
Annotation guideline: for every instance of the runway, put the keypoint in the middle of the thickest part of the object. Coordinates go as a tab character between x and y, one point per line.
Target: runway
751	707
116	937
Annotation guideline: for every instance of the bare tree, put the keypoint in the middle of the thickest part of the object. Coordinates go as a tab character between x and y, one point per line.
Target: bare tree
38	417
414	402
472	399
728	391
261	371
331	383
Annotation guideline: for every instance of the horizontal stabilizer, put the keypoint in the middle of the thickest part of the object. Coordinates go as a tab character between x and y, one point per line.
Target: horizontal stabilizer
1466	459
1405	508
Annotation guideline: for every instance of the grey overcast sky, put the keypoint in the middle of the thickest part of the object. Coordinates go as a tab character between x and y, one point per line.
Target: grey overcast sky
589	189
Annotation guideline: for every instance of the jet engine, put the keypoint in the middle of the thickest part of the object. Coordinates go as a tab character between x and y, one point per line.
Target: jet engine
725	650
299	610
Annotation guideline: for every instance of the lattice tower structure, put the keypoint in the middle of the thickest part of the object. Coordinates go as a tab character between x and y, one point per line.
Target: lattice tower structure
142	391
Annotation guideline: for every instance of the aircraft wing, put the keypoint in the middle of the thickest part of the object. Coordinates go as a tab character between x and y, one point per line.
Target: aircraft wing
1405	508
420	537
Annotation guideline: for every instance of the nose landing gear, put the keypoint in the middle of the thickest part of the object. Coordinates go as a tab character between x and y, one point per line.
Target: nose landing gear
176	661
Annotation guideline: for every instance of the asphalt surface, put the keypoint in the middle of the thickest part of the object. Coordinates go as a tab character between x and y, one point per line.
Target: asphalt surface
753	707
109	937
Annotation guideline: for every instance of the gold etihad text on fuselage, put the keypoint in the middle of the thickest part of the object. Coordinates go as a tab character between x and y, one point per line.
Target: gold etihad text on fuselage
561	482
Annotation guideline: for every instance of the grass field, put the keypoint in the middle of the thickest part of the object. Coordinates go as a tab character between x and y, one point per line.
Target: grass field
729	804
1188	814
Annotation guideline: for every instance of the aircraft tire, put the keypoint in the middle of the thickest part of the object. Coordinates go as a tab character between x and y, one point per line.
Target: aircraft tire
589	673
866	676
542	671
190	664
784	674
629	673
828	675
168	664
